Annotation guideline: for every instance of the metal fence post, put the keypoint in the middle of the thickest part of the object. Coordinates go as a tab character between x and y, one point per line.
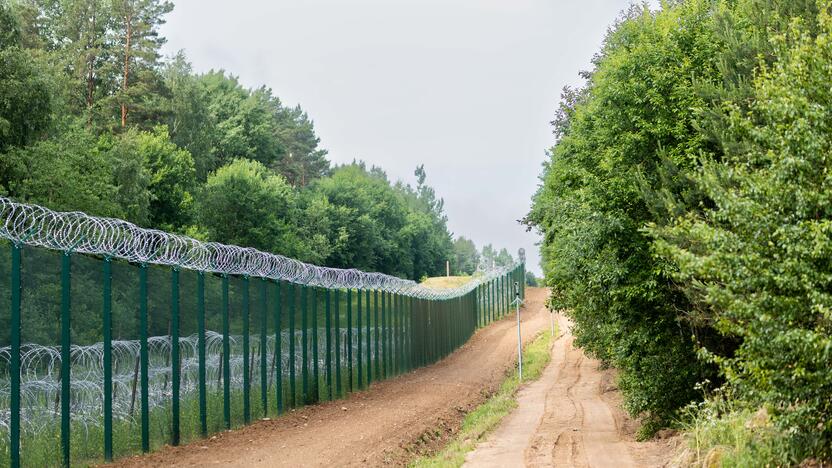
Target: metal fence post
106	325
292	370
278	347
316	365
66	298
264	383
304	321
349	340
200	318
246	352
14	371
144	358
226	360
174	356
358	331
337	318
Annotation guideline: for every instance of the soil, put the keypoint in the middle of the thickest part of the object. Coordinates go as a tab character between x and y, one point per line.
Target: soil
572	417
391	423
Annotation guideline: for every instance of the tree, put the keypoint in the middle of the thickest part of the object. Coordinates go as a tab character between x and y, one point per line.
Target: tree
191	123
137	31
165	171
627	143
26	102
66	173
245	204
300	161
756	259
466	257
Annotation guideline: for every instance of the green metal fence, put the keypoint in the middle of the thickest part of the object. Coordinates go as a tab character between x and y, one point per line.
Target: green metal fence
106	355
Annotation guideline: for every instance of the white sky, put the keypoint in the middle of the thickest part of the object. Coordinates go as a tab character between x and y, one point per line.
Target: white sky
466	87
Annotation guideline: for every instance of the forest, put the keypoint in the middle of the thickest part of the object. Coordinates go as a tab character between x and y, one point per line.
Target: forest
685	209
93	118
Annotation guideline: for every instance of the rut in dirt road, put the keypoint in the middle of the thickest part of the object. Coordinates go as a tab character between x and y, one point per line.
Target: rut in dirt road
569	417
389	424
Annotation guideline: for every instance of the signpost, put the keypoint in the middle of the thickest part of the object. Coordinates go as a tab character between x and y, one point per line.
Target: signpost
517	302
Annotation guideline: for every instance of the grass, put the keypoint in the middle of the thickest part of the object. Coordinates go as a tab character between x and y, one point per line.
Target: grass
487	416
446	281
718	433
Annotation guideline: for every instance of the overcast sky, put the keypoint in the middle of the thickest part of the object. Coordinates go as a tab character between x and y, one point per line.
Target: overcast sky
465	87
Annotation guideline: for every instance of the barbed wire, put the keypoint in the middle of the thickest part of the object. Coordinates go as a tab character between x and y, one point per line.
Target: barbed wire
79	232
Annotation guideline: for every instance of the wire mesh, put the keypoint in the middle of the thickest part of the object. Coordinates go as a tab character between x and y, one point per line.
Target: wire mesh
192	338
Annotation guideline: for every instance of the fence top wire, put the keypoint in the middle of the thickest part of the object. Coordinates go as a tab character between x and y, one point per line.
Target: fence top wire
79	232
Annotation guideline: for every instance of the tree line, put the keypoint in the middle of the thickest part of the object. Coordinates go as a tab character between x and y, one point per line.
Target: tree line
685	213
93	118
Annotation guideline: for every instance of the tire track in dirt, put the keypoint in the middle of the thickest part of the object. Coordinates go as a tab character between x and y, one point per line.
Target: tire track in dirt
389	424
571	416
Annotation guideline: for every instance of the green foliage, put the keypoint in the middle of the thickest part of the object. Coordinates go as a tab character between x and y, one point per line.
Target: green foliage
617	136
25	103
685	208
245	204
757	259
466	257
531	280
90	123
65	173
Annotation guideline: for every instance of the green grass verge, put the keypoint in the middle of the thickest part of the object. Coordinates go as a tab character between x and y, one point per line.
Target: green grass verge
488	415
719	432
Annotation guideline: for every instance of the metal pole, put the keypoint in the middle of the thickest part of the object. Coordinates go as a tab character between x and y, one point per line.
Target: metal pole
552	321
174	357
14	371
278	347
226	360
519	337
246	352
108	359
144	358
66	298
200	318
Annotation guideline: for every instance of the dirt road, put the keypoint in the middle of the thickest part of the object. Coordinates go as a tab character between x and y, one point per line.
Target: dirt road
571	417
390	423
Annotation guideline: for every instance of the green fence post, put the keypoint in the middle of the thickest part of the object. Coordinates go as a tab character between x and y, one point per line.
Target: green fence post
66	266
394	342
349	339
369	341
144	358
14	371
377	364
304	323
328	321
264	324
200	318
107	315
226	360
246	352
292	370
358	330
278	347
315	365
384	334
337	318
174	356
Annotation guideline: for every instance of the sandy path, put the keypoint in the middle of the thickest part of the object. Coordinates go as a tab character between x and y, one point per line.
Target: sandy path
388	424
571	416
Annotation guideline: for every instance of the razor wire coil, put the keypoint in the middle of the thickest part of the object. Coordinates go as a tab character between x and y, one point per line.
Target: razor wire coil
110	237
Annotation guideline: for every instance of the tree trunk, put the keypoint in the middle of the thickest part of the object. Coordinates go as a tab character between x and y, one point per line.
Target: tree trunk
128	19
91	69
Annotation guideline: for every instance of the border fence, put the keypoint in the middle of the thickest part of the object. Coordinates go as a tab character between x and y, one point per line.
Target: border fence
116	340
